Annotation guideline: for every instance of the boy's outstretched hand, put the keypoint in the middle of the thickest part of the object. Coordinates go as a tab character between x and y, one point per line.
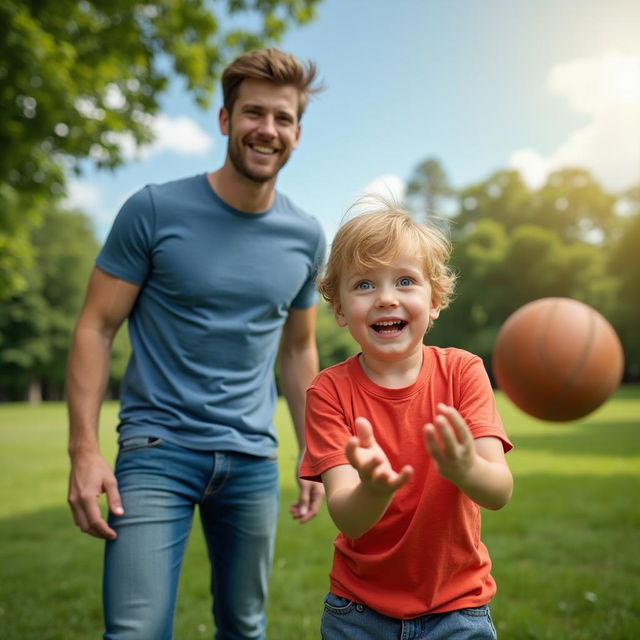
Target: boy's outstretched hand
371	462
451	444
478	467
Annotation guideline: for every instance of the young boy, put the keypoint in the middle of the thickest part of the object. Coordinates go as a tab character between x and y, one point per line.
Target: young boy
407	441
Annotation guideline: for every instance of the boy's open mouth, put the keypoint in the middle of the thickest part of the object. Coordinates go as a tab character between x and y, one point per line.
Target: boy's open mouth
391	326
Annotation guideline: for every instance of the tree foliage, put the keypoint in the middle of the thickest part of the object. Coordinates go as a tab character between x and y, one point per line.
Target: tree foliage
624	267
36	324
513	245
78	75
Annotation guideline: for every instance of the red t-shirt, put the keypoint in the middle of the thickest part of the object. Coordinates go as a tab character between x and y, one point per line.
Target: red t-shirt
425	554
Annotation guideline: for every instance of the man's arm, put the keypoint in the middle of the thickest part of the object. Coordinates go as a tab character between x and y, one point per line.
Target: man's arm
108	303
298	366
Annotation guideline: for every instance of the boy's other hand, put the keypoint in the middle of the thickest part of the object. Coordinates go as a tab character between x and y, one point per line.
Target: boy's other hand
451	444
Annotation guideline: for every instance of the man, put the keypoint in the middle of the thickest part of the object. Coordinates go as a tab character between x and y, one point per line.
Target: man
213	273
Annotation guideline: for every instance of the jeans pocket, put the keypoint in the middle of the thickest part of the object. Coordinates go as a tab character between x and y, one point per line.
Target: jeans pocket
138	442
337	604
475	612
481	616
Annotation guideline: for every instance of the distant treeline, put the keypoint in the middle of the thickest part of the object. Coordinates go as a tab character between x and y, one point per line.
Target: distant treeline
512	244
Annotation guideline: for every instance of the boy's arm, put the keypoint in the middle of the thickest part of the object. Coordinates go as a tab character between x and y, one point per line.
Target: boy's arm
298	367
108	302
358	495
478	467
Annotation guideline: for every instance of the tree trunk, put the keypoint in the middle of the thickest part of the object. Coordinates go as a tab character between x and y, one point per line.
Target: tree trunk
34	391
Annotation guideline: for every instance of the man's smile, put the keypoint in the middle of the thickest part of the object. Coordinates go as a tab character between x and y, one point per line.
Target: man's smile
261	149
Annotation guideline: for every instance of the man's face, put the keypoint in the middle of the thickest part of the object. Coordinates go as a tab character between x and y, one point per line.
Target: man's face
263	129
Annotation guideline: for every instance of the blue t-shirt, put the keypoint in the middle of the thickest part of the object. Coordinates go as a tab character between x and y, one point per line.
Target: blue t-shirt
217	284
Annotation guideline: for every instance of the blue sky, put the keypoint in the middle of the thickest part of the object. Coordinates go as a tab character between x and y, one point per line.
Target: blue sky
480	84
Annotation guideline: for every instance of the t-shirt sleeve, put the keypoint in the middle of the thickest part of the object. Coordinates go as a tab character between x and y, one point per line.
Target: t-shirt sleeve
307	295
477	403
326	434
126	253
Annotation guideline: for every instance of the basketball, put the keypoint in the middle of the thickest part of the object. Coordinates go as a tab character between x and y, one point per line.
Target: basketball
557	359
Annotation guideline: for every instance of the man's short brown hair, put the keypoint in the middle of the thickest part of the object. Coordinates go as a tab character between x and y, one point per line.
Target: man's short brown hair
274	66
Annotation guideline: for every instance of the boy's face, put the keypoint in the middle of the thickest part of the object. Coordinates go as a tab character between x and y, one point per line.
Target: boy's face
263	128
387	309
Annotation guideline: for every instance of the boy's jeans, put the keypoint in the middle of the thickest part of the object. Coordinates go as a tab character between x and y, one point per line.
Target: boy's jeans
160	484
347	620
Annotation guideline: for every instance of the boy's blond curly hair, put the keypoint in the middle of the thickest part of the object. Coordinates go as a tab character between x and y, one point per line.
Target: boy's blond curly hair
376	238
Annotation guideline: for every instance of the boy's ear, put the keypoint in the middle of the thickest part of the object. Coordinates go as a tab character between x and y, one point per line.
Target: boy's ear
340	319
434	313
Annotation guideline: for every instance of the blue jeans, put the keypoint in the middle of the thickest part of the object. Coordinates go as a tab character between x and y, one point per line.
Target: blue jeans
347	620
160	484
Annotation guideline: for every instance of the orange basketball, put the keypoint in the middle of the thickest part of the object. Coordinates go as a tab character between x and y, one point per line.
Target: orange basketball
557	359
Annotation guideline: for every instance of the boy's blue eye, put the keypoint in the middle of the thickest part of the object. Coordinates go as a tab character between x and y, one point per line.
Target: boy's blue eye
363	286
405	282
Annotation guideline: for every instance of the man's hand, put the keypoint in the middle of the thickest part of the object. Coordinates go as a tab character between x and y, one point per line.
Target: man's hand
371	462
309	500
90	477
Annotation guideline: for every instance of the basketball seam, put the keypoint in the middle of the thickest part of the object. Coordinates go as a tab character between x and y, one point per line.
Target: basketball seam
577	369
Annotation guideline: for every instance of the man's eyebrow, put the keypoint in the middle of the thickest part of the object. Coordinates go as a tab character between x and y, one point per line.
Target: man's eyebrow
251	105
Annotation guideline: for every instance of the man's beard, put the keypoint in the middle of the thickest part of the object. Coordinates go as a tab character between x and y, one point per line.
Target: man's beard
235	152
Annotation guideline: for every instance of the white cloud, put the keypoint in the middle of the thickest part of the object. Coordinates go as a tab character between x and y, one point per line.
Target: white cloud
178	135
607	89
532	166
388	186
83	195
95	202
596	85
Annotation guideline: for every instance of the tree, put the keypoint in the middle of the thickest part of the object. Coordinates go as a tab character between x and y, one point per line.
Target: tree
429	185
500	270
36	326
469	322
503	197
575	205
624	266
78	75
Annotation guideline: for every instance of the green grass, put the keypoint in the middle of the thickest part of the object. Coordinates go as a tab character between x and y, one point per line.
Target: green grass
565	550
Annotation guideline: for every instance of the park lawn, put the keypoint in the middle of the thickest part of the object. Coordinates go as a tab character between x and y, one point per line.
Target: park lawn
565	550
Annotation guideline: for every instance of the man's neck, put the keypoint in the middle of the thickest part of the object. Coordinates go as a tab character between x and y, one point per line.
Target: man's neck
240	192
